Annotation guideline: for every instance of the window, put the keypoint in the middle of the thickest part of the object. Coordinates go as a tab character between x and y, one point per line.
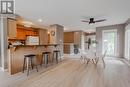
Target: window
109	42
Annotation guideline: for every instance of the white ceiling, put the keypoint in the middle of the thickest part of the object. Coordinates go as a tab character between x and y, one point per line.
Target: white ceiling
69	13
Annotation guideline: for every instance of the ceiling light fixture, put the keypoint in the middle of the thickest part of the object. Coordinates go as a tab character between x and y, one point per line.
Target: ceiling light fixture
39	20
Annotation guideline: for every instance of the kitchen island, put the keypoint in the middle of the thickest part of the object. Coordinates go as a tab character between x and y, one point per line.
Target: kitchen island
16	55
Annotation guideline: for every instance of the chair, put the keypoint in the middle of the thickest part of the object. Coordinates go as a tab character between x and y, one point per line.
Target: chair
45	56
28	61
56	54
104	57
101	57
90	55
83	56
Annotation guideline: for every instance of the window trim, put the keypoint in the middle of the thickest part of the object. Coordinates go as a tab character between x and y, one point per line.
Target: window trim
127	30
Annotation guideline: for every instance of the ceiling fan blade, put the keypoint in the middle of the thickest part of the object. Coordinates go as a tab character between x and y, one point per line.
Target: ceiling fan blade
85	21
100	20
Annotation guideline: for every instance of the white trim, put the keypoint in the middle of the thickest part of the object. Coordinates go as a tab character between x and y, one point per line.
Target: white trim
3	70
111	30
127	42
127	27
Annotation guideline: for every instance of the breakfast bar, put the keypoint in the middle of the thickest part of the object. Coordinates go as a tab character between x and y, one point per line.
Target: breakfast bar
28	46
16	55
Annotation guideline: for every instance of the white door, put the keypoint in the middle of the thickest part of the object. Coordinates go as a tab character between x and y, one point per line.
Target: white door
127	44
109	42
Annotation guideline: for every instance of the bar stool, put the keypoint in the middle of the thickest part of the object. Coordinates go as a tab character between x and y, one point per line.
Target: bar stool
55	55
28	60
45	56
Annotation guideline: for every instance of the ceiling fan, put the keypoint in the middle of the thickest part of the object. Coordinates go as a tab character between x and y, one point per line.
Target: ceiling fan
92	20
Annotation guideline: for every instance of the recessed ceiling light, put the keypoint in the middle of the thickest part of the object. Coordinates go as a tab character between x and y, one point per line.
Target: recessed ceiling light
39	20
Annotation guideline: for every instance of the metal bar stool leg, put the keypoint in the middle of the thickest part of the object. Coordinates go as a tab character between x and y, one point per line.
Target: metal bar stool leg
27	66
53	57
36	64
31	62
60	55
36	68
56	57
45	59
42	59
24	64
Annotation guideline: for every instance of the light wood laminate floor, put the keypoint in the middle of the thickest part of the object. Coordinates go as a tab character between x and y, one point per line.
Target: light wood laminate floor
73	73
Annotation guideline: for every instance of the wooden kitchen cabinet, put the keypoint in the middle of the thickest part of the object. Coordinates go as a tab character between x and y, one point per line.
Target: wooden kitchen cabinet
72	37
43	36
29	33
68	37
12	30
22	33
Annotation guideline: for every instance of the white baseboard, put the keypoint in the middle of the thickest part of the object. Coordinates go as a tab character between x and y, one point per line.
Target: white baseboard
76	56
1	69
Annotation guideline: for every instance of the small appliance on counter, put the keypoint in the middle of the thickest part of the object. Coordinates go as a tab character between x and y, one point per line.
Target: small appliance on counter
14	43
32	40
17	43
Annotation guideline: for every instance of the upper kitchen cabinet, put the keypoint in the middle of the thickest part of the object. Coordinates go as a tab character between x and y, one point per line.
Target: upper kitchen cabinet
69	37
72	37
43	36
12	30
77	37
23	32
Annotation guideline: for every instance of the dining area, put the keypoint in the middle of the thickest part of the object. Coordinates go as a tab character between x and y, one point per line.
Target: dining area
91	56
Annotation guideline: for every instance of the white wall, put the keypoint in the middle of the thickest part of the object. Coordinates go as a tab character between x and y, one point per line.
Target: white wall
0	41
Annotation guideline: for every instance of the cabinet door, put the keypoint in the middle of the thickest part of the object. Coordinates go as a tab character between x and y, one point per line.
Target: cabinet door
12	28
21	34
43	37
